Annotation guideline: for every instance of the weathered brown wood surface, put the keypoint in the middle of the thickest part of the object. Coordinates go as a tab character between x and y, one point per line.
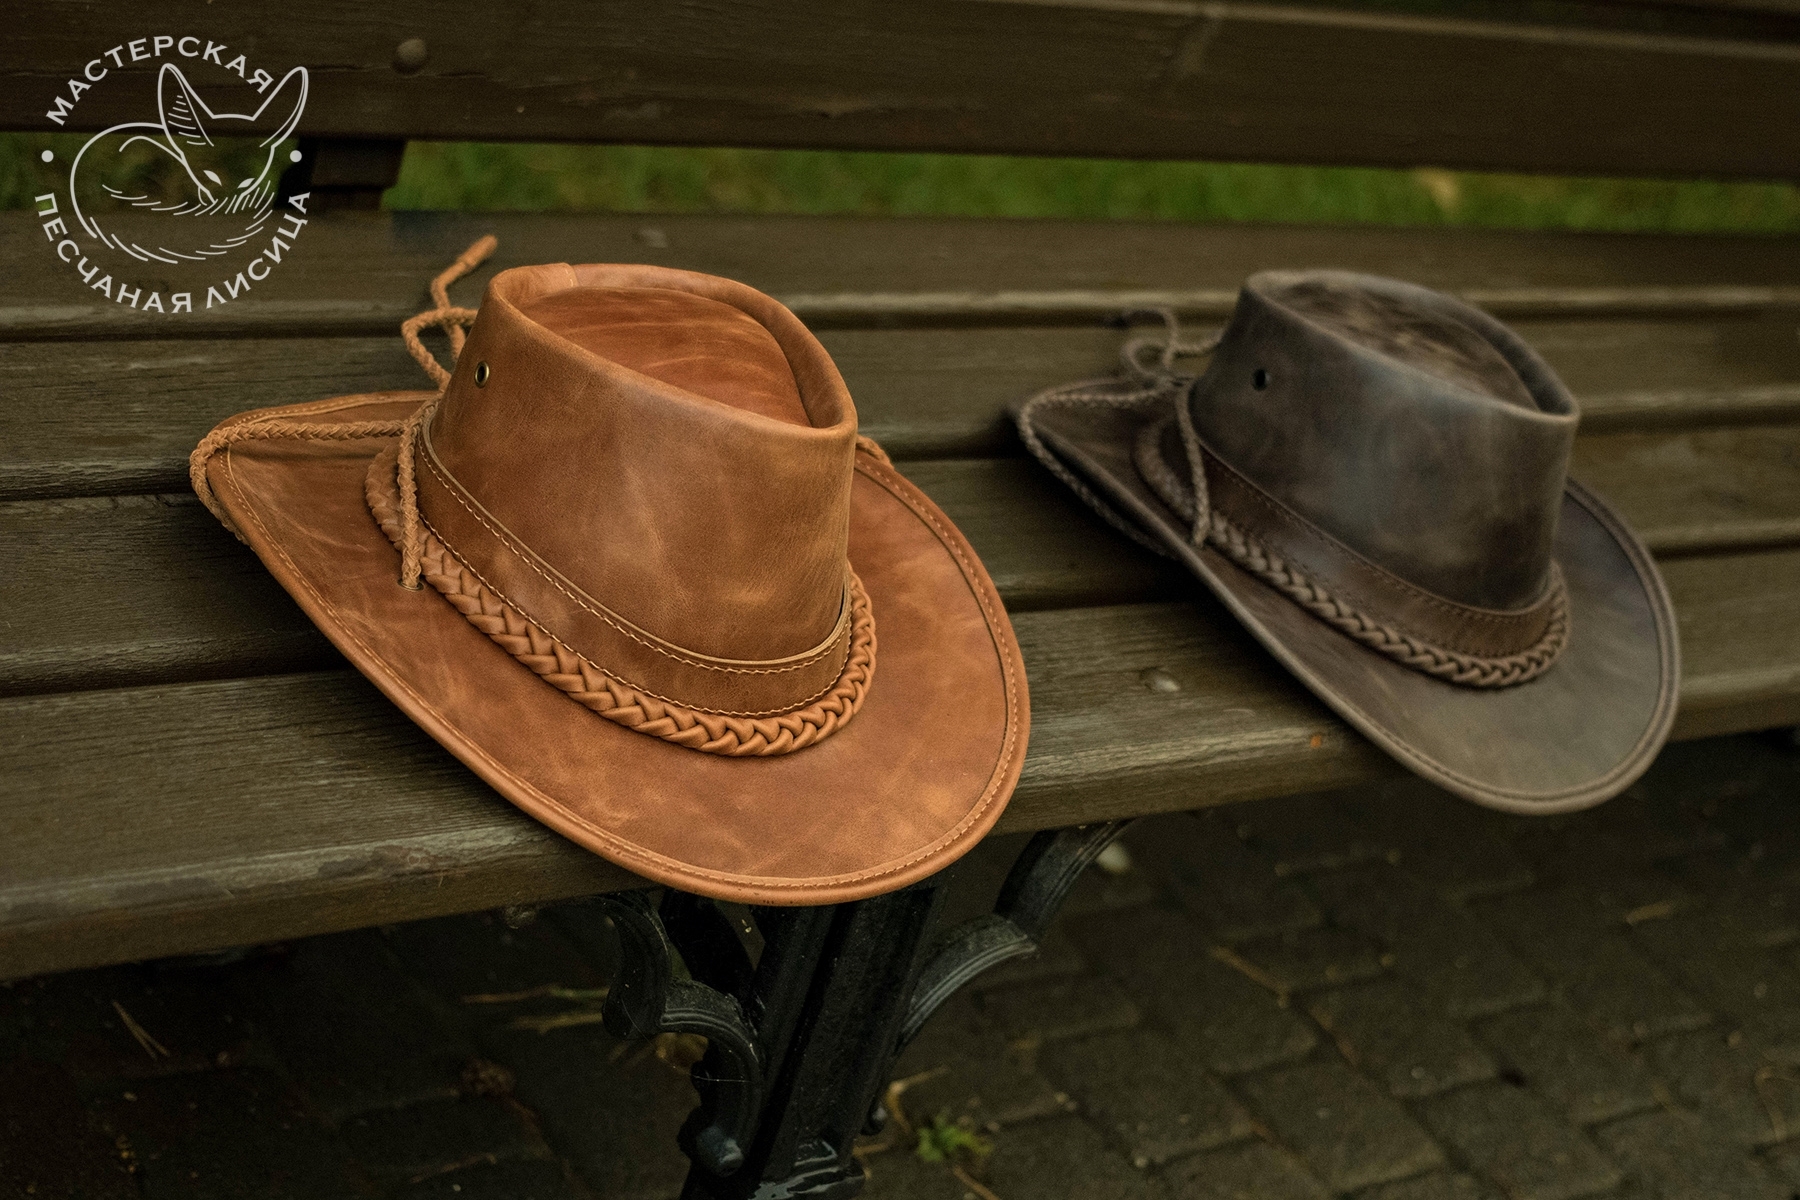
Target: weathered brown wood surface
179	599
128	846
279	805
270	793
121	416
1647	330
365	273
1582	87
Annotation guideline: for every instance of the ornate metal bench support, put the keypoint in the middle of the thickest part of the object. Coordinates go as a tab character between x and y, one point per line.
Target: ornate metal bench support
1034	890
800	1045
646	999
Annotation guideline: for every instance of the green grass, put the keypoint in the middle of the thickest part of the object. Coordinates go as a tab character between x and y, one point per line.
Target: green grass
947	1141
546	178
665	180
24	174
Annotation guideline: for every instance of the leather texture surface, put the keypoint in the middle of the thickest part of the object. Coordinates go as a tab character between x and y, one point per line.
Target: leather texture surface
607	692
1455	490
1362	583
584	453
629	485
690	342
1425	490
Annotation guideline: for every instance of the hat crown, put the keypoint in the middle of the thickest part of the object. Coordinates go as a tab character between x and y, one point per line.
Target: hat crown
694	537
1414	429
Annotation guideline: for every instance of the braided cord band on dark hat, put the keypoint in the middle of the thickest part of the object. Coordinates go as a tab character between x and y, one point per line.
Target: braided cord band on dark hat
1155	390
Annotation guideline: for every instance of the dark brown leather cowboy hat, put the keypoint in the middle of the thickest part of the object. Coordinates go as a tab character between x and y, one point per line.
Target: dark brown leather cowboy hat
1373	478
635	568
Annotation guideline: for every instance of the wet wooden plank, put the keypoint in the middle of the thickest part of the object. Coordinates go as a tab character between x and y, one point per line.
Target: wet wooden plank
1381	84
364	273
83	418
276	806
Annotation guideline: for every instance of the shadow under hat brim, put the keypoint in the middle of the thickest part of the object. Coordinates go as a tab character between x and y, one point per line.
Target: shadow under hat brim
906	787
1576	735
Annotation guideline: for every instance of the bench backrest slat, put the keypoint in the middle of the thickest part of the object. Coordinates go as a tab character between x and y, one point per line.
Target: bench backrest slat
1608	88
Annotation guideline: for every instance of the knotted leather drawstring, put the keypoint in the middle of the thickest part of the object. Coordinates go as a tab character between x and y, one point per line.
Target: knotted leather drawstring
444	316
451	320
1142	385
1165	378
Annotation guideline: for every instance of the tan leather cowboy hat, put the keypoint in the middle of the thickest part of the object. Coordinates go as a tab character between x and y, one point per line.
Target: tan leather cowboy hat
633	565
1373	478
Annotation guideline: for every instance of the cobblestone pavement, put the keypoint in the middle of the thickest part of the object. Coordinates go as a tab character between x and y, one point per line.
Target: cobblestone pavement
1385	994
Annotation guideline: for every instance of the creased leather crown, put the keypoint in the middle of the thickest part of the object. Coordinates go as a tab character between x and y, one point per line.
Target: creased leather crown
1400	457
615	491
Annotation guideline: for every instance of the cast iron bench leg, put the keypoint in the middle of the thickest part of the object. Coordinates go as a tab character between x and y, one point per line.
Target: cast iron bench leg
800	1046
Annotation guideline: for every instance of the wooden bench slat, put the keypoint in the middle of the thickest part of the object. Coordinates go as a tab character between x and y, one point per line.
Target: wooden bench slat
364	273
1677	408
276	806
107	418
276	792
1178	80
178	598
1699	490
1740	641
108	592
123	591
83	418
145	822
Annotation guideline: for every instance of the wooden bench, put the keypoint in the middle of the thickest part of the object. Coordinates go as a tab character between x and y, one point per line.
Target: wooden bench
185	763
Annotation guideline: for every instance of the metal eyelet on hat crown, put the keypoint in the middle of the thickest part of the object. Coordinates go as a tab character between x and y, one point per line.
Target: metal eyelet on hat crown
481	374
1259	379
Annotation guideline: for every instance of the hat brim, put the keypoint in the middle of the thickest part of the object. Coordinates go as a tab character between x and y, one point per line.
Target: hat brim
919	775
1576	735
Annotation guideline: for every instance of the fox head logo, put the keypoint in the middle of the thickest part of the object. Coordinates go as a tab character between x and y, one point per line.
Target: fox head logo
236	199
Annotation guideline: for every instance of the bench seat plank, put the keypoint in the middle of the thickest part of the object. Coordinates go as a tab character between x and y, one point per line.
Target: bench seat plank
143	822
117	591
364	273
84	418
1740	640
275	806
311	785
1699	490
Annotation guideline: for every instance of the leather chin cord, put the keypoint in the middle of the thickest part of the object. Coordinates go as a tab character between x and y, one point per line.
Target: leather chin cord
1140	386
444	316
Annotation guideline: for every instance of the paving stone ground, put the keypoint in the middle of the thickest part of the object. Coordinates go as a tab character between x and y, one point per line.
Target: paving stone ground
1384	994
